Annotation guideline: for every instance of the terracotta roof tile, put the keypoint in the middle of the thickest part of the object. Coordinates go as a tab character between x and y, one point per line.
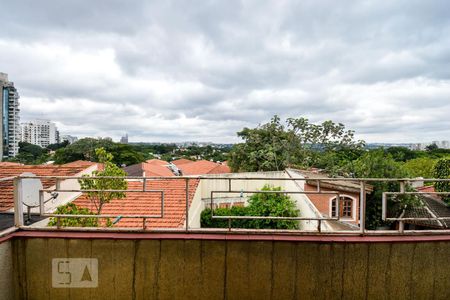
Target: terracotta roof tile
6	187
157	162
148	203
201	167
7	164
156	170
181	161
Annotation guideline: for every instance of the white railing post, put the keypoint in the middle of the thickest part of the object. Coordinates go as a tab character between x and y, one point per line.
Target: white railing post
362	206
18	205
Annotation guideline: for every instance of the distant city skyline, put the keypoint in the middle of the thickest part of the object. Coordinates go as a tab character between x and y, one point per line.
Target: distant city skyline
171	71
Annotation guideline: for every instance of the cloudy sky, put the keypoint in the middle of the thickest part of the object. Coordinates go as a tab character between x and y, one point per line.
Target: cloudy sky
202	70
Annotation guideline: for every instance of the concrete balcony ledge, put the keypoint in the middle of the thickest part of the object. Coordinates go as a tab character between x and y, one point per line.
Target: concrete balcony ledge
208	265
220	235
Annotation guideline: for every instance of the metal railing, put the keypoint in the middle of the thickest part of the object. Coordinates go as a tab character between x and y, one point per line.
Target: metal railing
361	183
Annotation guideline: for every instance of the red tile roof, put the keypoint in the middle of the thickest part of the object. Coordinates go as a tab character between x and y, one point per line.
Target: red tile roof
79	164
148	203
181	161
202	167
426	189
157	162
153	169
6	187
7	164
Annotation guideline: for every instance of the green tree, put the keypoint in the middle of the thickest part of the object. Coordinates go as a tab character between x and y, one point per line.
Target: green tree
275	205
85	149
259	204
442	171
401	153
57	146
100	198
420	167
431	147
31	154
72	209
274	146
379	164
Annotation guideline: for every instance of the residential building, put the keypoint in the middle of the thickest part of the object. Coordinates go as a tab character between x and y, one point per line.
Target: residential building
76	168
179	167
150	168
432	207
71	139
124	139
201	167
9	117
40	132
326	204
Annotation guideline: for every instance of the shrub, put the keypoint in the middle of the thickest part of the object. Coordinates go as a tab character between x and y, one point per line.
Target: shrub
73	209
442	171
260	204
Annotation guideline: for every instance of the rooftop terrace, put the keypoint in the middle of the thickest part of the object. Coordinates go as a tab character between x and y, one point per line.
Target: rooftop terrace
158	250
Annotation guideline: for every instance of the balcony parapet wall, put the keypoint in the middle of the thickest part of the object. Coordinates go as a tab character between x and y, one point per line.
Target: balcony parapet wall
235	266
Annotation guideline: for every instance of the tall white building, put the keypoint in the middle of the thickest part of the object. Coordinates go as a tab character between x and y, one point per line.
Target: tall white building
40	132
9	118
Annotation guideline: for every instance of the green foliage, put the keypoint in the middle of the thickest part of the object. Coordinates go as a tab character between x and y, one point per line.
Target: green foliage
31	154
100	198
401	153
442	171
275	205
84	149
336	162
259	204
265	148
379	164
207	222
420	167
72	209
431	147
57	146
274	146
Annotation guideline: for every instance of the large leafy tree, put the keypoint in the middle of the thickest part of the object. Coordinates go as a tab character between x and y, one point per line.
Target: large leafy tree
31	154
275	146
84	149
379	164
420	167
442	171
98	198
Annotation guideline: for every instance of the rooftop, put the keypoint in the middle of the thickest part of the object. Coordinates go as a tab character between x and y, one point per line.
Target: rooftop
202	167
149	203
6	187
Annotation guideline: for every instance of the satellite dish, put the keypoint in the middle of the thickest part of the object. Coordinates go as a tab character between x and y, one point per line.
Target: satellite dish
30	188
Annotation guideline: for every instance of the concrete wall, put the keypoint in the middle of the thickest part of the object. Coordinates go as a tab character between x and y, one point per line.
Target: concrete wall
207	186
6	270
304	204
231	269
195	210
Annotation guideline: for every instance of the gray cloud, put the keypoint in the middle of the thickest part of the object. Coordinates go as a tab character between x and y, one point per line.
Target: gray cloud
183	70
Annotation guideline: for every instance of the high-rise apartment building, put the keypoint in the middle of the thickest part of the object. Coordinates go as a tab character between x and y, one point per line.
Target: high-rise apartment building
9	117
40	132
124	139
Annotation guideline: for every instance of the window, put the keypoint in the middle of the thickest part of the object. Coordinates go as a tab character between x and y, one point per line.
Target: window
345	207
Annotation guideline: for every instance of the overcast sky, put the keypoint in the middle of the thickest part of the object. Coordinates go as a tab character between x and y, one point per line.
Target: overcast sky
202	70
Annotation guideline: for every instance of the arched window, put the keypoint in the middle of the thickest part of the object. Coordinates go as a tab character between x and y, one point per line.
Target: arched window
345	207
